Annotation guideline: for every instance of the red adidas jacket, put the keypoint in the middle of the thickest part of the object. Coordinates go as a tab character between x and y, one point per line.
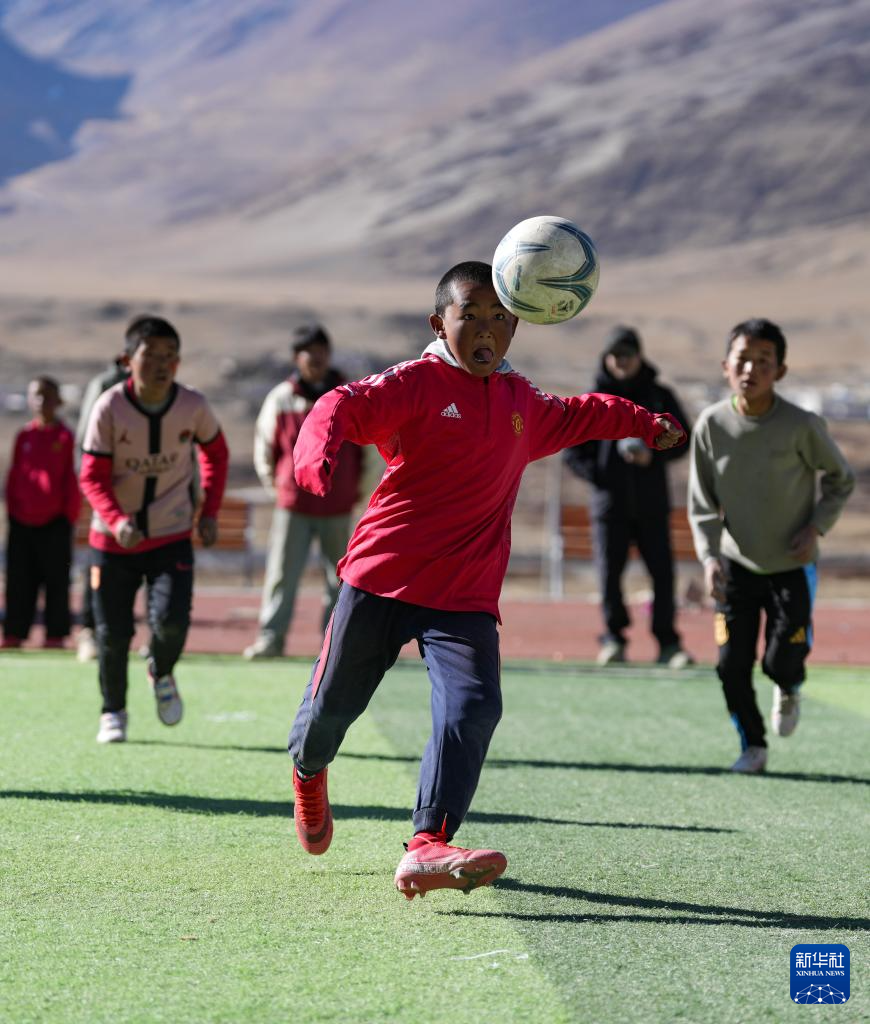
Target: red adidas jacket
42	484
437	529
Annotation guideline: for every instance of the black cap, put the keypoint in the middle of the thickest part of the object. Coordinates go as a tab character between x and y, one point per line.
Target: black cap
309	334
623	339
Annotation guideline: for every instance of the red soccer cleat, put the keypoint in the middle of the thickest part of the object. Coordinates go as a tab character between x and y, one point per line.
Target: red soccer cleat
437	865
312	813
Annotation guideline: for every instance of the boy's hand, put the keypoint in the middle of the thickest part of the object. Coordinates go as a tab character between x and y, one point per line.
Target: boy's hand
208	530
671	434
714	579
803	543
127	534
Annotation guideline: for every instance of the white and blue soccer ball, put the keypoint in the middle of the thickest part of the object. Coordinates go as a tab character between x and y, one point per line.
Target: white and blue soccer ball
545	270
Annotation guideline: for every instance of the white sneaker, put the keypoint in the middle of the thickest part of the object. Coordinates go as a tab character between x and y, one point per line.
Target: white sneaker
169	705
113	727
785	712
675	657
263	647
86	646
611	653
752	761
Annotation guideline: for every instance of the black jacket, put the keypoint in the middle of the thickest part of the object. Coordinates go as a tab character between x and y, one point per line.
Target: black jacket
619	489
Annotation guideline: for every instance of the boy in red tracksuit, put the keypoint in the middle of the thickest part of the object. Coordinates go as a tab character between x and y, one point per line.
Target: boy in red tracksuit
137	473
43	502
426	562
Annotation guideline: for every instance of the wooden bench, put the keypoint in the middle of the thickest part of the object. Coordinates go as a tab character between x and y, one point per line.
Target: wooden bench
235	532
577	542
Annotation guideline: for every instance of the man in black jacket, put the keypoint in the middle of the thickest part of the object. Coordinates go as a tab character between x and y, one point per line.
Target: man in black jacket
630	502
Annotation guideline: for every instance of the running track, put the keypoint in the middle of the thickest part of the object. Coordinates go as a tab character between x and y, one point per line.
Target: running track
224	622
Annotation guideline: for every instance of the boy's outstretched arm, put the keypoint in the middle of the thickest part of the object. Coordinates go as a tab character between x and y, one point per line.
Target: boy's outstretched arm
562	422
364	412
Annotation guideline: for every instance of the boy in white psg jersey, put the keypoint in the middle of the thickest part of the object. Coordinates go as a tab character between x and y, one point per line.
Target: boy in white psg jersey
137	474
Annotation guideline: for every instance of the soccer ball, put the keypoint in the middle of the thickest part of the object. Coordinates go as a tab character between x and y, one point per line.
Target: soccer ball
545	270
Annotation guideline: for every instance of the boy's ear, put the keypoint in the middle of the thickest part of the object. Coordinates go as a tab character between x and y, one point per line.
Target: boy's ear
437	324
782	371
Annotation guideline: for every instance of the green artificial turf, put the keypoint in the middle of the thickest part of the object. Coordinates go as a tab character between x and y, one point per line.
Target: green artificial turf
160	880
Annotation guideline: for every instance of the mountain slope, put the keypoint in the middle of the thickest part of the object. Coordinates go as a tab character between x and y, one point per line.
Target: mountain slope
227	103
678	127
333	138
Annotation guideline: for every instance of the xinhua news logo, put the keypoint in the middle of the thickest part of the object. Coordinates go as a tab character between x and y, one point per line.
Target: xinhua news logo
819	973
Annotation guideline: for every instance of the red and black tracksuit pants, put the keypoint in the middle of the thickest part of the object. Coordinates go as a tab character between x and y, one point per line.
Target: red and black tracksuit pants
167	573
786	600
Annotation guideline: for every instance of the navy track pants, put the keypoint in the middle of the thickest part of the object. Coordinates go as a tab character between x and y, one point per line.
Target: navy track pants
362	642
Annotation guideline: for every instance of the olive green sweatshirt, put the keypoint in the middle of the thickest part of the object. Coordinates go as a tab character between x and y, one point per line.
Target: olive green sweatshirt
753	483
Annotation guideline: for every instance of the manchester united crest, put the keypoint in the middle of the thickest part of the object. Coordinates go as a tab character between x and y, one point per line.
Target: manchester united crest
517	422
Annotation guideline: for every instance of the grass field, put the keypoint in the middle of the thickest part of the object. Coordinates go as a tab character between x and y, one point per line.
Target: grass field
161	881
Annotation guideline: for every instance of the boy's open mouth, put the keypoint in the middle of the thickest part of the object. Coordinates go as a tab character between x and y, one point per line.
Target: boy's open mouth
483	355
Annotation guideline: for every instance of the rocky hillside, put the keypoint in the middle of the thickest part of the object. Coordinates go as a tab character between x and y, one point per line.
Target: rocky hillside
327	138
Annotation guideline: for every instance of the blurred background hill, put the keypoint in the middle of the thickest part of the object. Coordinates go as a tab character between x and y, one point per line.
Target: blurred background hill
239	167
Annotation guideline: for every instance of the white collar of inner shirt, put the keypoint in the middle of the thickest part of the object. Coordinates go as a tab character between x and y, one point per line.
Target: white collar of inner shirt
440	348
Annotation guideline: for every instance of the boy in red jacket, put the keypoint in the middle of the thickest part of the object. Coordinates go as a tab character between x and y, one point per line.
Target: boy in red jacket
426	562
43	501
137	473
300	517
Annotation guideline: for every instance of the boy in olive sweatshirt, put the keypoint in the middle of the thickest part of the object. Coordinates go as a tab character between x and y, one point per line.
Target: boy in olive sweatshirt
755	519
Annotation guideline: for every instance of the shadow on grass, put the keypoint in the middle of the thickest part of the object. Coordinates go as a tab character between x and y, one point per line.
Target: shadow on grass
618	766
699	913
509	762
284	809
209	746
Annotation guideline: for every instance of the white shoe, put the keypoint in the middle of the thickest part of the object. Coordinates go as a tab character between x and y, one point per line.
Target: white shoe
169	705
86	645
113	727
611	653
785	712
263	647
752	761
675	657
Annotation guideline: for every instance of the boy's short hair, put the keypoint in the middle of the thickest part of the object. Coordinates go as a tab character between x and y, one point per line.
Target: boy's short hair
761	330
141	328
622	339
44	380
309	334
471	270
